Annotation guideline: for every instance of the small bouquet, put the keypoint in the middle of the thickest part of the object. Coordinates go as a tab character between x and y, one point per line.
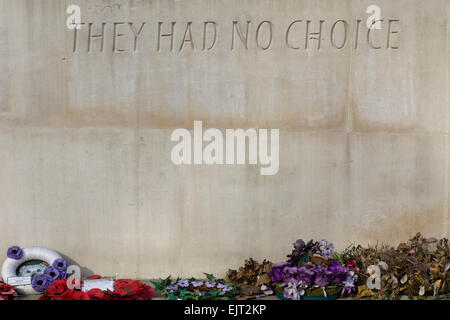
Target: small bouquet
313	271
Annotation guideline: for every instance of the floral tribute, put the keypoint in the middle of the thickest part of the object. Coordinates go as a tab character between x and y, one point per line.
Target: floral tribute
40	282
313	269
252	279
193	289
7	291
418	268
124	289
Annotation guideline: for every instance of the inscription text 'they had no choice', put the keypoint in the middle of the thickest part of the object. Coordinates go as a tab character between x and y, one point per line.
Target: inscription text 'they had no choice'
210	36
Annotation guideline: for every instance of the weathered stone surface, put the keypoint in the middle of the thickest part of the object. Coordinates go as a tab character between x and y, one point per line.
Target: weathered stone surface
85	129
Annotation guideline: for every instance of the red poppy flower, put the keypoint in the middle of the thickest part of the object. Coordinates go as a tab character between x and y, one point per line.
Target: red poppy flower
120	292
80	295
57	288
96	294
7	292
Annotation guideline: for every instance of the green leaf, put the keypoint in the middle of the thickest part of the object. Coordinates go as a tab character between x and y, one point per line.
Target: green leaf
338	257
209	276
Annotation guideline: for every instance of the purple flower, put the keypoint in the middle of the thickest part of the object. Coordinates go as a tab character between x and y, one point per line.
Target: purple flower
196	284
266	290
326	249
62	275
183	283
40	282
305	275
339	272
349	284
60	265
15	252
172	287
294	290
290	272
323	277
277	271
210	284
225	288
53	273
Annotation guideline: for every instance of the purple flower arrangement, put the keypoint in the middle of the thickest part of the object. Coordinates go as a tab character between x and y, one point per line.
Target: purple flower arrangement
298	274
57	271
188	289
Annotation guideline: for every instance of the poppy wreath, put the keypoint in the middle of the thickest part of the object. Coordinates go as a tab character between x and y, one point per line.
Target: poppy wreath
56	267
124	289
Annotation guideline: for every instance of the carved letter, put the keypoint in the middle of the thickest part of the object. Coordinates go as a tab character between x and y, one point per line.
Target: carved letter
390	32
95	36
205	28
345	34
270	37
287	35
358	23
136	33
116	35
243	39
313	35
188	37
166	35
369	38
75	36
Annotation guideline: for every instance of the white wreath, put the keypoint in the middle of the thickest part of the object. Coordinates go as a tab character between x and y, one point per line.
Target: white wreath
10	266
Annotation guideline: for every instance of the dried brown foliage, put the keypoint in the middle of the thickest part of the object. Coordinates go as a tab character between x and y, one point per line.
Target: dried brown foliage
419	267
250	277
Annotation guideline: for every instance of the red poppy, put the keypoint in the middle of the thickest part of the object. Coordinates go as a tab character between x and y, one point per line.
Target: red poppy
120	292
124	289
7	292
57	288
96	294
80	295
131	287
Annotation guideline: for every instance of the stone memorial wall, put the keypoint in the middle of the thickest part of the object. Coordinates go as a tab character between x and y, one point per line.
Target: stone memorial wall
92	91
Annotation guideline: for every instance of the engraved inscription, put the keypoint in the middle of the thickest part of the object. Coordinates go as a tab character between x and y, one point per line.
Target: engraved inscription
210	36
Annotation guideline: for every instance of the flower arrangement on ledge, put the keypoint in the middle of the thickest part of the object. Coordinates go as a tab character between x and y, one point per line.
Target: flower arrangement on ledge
194	289
124	289
313	270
